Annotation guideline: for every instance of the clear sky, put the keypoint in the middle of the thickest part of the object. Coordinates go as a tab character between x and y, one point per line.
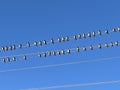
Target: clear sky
33	20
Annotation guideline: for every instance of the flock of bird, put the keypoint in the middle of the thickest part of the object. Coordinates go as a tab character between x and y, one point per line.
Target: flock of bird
59	40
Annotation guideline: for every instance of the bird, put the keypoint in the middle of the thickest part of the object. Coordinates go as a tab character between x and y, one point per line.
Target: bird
44	54
14	58
49	53
63	51
39	55
59	39
111	44
3	48
106	45
8	59
84	48
4	60
106	31
20	46
79	36
35	43
94	34
99	32
67	38
91	47
118	28
28	44
13	47
52	41
84	35
25	57
116	43
68	51
99	46
114	30
10	47
58	52
75	37
63	39
45	42
40	43
89	34
54	53
6	48
78	49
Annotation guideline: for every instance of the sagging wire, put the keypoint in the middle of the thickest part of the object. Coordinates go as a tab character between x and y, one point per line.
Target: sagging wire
56	52
59	40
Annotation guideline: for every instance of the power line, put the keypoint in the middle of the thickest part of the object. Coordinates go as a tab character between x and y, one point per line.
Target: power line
58	65
59	40
56	52
76	85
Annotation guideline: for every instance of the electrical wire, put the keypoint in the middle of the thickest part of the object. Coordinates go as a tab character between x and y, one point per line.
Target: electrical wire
41	43
56	52
76	85
58	65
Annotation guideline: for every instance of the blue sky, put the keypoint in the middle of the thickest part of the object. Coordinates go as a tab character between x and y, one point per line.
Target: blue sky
27	20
